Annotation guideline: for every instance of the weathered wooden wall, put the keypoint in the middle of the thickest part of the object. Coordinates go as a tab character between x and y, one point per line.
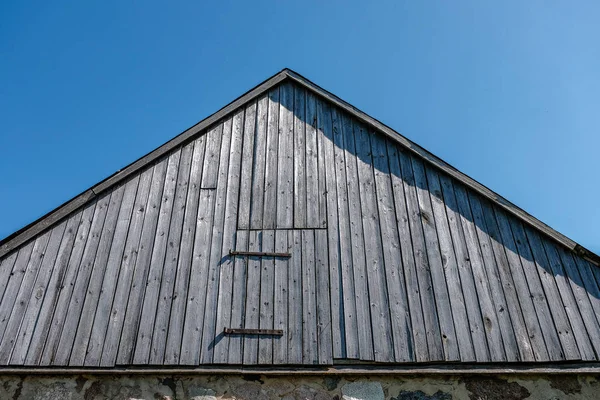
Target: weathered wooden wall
392	260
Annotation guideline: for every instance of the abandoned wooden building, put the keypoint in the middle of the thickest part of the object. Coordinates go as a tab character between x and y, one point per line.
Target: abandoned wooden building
291	245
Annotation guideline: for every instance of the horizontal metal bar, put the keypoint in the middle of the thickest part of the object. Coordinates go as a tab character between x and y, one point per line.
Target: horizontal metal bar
258	254
242	331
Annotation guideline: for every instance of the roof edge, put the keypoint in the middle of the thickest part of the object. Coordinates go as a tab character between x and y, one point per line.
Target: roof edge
24	234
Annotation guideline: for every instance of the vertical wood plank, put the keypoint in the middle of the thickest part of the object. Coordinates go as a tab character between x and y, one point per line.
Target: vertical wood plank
216	252
380	311
294	336
267	292
66	288
211	156
89	292
324	131
449	254
259	164
526	351
28	350
408	266
480	278
253	298
270	207
196	297
280	301
343	307
119	305
6	267
143	259
558	308
299	157
311	160
29	299
76	303
169	269
186	251
358	263
285	167
324	323
238	306
247	163
309	308
426	286
509	340
580	293
146	318
520	281
538	295
227	263
106	294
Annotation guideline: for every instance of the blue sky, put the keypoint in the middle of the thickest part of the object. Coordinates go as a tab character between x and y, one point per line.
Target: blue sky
507	92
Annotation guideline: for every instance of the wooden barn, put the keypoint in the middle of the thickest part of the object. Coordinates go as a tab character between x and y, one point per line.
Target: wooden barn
291	246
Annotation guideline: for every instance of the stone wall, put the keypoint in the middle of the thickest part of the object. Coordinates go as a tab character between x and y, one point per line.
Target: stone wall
260	387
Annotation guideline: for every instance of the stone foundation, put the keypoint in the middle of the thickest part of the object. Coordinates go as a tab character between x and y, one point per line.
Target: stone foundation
328	387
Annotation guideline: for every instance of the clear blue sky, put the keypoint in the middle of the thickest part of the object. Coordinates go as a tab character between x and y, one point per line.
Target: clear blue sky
507	92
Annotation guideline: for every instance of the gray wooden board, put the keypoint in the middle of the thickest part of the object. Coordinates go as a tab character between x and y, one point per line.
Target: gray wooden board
146	317
299	157
184	262
509	341
526	351
285	167
169	269
392	258
587	280
253	300
119	305
480	279
28	301
408	267
426	288
211	156
269	217
28	348
194	313
563	308
440	289
343	306
358	262
555	302
90	292
525	296
6	267
227	263
14	283
280	298
309	306
380	311
66	288
442	201
311	163
77	300
142	265
574	279
109	282
245	184
36	341
216	252
294	334
267	292
259	164
324	325
238	301
538	295
323	131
